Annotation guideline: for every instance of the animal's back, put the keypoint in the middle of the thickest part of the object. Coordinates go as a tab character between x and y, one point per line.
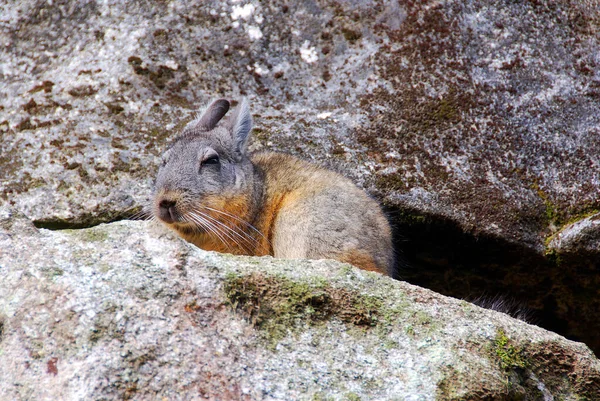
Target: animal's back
218	197
311	212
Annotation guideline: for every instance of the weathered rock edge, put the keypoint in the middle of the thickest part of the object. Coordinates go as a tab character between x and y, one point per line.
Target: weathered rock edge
464	111
477	123
125	310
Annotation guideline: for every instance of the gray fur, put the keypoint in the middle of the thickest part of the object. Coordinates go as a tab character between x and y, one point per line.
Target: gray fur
182	169
289	208
505	305
210	117
241	126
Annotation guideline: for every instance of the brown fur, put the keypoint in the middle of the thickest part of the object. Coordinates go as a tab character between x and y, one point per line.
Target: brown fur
269	204
361	259
289	180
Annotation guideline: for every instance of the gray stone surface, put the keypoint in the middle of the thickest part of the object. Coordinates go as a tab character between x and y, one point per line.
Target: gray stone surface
482	116
463	110
493	114
92	91
579	238
127	311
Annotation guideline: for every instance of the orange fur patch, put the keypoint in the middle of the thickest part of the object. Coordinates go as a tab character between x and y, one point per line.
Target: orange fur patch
362	260
269	213
234	236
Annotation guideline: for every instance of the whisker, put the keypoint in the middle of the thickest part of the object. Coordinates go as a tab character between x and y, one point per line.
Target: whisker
247	248
144	214
223	230
237	219
250	240
210	228
226	230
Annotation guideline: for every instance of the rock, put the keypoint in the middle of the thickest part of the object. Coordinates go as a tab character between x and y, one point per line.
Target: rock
465	111
127	311
579	238
477	124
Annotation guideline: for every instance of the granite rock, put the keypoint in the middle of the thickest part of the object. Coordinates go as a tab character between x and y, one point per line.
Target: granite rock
127	311
477	124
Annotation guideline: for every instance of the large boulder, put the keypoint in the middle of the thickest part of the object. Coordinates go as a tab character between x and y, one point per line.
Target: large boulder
128	311
476	123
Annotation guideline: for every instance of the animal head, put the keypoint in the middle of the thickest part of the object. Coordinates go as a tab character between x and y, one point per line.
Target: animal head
205	168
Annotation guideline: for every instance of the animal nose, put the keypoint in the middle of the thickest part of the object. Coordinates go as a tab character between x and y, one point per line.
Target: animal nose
167	211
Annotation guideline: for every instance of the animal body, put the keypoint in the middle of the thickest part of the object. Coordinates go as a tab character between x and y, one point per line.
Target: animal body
218	197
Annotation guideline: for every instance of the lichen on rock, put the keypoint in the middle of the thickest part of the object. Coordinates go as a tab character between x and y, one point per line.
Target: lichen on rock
137	313
476	124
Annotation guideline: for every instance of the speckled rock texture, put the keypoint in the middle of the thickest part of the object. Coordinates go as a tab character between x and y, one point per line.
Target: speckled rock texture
476	123
127	311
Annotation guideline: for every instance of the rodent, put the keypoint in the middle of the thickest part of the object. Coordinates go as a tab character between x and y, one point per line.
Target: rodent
218	197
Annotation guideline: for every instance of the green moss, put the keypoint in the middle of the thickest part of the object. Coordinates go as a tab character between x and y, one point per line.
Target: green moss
547	242
423	319
411	218
551	213
551	253
417	323
278	305
348	270
52	272
390	182
553	257
559	219
588	212
91	234
509	356
445	111
320	396
352	397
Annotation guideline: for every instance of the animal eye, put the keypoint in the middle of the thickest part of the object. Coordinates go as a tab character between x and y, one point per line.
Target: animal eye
211	160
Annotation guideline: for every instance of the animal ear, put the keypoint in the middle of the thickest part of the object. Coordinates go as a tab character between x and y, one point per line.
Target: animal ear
210	117
241	124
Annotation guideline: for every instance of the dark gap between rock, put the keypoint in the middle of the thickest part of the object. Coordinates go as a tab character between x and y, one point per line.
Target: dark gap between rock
87	221
436	253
